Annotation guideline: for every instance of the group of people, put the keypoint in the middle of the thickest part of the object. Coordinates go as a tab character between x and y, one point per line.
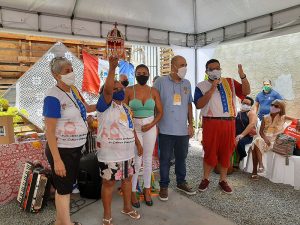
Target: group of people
131	119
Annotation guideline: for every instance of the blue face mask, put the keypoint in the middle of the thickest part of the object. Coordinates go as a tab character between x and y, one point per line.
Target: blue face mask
119	95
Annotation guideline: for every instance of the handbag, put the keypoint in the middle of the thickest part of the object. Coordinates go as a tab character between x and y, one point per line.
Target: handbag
284	145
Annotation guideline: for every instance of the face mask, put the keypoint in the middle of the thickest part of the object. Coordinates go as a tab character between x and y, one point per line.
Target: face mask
214	75
119	95
267	89
125	83
68	79
245	107
142	79
182	72
274	109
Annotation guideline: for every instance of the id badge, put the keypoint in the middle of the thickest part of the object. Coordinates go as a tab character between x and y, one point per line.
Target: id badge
177	99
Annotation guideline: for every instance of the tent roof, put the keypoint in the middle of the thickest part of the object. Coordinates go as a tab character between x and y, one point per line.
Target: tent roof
173	15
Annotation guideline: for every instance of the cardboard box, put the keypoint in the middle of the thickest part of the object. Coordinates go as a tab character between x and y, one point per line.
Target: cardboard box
7	135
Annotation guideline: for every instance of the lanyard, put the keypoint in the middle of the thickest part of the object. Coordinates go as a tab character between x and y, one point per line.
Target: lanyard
174	88
73	102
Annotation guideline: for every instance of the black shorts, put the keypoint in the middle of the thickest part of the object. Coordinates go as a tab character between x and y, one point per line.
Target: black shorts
71	159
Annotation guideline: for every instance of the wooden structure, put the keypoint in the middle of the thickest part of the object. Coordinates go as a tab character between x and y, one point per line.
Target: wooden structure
18	52
166	55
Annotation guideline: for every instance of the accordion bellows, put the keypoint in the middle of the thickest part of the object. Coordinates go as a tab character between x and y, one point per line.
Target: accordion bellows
34	188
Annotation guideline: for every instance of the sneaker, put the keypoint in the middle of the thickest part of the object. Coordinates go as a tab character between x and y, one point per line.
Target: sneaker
225	187
163	194
203	185
184	187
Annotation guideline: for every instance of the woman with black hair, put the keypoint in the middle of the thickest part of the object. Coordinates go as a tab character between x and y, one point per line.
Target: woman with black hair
145	103
245	123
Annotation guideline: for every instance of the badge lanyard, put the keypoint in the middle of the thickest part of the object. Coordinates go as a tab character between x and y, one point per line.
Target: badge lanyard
176	96
73	102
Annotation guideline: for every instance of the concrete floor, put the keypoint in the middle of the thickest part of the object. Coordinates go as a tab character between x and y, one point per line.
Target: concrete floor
179	210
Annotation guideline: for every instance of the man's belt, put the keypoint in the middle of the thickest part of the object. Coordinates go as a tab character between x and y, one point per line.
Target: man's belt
218	118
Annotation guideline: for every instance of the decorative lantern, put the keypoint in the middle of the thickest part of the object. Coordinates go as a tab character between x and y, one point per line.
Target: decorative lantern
115	44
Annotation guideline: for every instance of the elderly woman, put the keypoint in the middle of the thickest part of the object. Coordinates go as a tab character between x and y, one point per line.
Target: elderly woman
115	144
272	125
66	129
144	101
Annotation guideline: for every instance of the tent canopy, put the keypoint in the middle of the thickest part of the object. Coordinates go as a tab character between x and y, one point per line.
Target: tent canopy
189	16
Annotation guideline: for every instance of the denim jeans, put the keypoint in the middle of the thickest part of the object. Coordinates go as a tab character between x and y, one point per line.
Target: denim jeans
168	144
241	146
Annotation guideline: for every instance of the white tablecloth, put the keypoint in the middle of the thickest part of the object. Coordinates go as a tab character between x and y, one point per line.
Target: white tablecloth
276	170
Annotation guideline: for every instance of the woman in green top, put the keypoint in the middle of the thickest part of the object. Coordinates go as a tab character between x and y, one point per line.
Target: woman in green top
145	104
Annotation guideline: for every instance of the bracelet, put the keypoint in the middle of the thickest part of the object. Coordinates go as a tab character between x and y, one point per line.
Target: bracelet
243	77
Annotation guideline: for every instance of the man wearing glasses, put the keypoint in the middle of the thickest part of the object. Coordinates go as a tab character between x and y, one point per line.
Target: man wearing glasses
216	98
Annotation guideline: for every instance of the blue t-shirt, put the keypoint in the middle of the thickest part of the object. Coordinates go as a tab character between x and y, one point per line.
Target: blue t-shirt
175	118
265	100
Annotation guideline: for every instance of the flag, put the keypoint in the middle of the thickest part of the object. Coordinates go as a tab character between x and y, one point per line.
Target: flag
95	73
91	79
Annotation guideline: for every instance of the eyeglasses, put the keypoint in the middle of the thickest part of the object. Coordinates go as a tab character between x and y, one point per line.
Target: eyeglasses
57	58
276	106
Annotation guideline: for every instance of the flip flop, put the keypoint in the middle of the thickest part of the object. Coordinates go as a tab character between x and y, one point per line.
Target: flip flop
254	177
107	221
261	170
133	214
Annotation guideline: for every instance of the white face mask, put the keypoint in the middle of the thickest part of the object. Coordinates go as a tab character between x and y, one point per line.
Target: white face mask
68	79
274	109
245	107
214	75
182	72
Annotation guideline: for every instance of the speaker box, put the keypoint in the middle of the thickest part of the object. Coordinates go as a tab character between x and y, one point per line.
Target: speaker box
89	180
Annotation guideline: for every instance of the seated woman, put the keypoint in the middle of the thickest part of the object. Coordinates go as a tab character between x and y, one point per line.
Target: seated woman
272	125
245	124
116	139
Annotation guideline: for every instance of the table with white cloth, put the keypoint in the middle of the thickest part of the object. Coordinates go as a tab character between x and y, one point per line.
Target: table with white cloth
276	169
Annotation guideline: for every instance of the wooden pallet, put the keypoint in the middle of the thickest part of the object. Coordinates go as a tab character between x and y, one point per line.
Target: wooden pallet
166	55
18	52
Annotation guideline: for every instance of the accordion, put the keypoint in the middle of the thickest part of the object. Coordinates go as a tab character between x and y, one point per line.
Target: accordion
34	188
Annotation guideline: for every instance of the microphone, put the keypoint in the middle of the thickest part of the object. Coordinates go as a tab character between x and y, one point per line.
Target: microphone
218	87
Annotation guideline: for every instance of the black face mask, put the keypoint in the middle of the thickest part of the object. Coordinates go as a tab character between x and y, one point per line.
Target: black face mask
125	83
142	79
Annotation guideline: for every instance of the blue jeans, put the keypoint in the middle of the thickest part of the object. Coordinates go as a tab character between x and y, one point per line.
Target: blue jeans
168	144
241	146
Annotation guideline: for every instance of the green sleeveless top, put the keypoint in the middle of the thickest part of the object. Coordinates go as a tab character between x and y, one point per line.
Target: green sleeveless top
141	110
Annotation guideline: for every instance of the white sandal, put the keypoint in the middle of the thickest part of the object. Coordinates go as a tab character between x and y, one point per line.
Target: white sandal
107	221
133	214
261	170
